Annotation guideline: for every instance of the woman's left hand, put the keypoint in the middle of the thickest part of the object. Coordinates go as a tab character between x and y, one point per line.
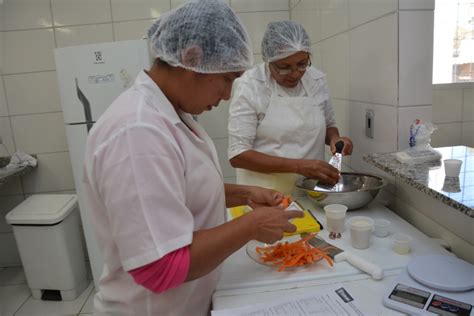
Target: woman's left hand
347	149
264	197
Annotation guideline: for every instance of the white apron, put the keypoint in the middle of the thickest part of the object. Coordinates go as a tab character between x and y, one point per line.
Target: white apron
293	127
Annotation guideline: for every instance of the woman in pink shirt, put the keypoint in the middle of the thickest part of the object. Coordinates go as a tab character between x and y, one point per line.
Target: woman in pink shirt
152	177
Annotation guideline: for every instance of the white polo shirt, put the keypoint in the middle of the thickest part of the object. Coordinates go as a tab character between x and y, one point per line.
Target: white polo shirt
150	182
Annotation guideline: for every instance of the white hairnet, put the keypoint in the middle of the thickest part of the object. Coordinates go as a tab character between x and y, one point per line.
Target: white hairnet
284	38
204	36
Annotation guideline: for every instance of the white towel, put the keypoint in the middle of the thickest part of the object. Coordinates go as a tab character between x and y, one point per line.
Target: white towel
21	159
18	161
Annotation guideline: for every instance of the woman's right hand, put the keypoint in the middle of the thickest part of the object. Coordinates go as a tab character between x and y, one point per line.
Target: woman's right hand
319	170
269	223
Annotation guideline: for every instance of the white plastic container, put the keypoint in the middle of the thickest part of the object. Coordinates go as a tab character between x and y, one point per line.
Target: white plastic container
361	228
401	243
47	232
335	217
381	227
452	167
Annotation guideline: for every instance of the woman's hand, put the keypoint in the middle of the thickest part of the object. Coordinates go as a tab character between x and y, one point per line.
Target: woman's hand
347	149
269	223
319	170
264	197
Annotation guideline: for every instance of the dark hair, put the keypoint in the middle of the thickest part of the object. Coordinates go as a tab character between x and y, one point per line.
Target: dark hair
161	62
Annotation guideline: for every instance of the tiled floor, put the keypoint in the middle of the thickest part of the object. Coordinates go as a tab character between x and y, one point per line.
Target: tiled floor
16	299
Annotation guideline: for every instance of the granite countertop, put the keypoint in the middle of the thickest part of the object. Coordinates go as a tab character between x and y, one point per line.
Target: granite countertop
429	177
4	161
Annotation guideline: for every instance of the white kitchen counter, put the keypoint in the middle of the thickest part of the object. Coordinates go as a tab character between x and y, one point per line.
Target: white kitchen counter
367	292
245	282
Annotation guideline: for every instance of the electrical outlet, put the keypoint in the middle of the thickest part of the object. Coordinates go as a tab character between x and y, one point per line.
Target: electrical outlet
369	123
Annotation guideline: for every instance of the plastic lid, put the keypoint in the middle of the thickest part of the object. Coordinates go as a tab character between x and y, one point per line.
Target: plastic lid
361	223
335	211
42	209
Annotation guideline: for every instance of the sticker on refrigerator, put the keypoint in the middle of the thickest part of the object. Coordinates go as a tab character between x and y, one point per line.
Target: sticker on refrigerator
98	57
97	79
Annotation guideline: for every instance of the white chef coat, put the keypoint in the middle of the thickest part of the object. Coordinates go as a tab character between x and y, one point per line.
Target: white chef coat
150	182
264	117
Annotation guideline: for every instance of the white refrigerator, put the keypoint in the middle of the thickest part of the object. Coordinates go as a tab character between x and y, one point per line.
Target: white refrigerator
90	77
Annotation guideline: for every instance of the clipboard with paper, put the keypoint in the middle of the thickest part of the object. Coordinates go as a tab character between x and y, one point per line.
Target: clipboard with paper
306	224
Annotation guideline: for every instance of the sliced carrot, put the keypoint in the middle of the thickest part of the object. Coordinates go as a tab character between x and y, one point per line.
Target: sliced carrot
286	255
286	201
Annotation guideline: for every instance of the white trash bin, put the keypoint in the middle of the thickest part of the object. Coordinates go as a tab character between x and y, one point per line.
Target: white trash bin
47	233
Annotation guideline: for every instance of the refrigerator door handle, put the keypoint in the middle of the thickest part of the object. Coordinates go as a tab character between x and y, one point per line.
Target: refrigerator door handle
87	107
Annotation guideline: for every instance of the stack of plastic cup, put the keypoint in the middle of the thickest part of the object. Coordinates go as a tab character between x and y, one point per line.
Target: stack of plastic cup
335	219
452	167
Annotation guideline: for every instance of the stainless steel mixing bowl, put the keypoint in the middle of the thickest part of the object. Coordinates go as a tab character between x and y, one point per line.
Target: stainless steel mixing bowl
354	189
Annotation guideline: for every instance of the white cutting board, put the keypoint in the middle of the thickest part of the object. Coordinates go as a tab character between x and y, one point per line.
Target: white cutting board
241	272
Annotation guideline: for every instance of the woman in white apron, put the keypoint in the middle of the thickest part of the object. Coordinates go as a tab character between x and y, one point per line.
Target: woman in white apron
281	116
152	179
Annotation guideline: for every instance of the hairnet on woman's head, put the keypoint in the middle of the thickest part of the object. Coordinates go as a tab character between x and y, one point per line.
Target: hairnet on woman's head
204	36
284	38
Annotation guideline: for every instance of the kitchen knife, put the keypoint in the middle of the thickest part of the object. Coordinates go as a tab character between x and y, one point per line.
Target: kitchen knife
339	255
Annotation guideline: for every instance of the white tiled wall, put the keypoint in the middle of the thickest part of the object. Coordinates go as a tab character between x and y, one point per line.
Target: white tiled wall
385	127
366	11
453	114
373	61
138	9
40	133
131	29
30	112
7	135
28	51
19	15
335	56
32	93
415	57
310	18
256	23
3	101
73	12
334	17
80	34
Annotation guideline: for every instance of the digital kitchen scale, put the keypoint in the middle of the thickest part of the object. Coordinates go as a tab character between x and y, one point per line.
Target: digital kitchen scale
433	285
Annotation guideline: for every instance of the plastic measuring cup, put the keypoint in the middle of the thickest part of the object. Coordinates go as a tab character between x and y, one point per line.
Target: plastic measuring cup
361	228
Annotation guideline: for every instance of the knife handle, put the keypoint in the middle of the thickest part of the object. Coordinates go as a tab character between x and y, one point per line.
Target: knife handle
375	271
